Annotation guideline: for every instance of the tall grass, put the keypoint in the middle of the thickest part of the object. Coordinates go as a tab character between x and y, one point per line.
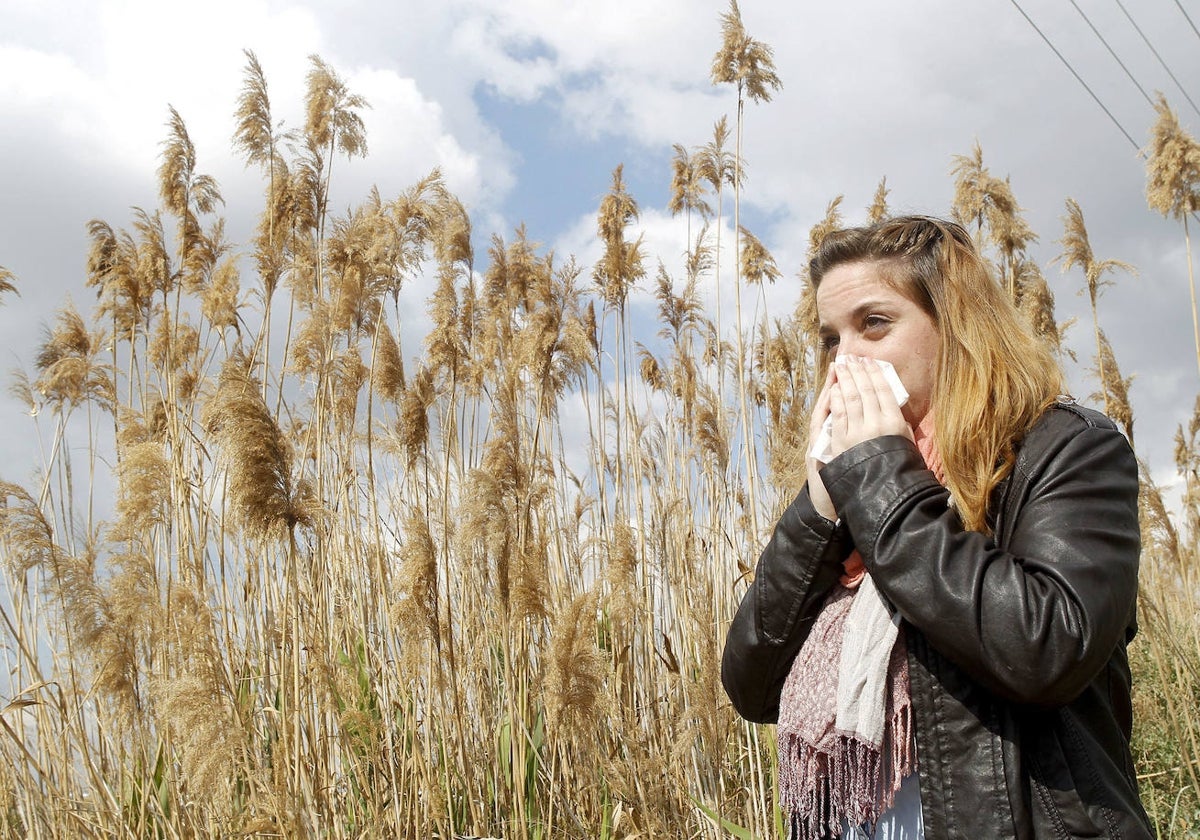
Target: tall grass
342	593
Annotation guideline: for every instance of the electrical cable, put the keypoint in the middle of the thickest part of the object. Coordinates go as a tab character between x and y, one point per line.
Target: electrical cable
1159	57
1078	78
1187	18
1113	53
1086	87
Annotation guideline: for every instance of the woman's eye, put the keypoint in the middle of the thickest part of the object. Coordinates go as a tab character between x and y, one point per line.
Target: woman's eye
874	322
829	342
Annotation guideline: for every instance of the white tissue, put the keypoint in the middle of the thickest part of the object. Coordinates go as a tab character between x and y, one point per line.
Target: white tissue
820	448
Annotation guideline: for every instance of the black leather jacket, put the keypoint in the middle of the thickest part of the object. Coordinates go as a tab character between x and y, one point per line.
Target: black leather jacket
1020	682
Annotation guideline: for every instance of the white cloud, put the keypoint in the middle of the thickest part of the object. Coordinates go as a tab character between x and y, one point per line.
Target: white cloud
603	66
491	50
869	90
37	86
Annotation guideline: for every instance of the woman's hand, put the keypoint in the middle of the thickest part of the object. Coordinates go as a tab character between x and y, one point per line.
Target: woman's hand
816	490
863	405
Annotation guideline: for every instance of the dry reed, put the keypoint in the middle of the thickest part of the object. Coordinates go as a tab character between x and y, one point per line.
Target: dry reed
485	597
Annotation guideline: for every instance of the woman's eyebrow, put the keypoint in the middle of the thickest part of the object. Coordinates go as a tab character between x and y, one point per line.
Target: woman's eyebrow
857	312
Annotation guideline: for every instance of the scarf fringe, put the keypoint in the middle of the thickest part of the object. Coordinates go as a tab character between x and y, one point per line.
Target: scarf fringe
856	782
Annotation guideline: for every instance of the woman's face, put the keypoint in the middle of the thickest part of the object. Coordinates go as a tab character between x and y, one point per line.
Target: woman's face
861	314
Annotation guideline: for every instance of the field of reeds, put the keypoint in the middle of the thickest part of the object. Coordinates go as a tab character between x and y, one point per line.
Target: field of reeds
279	580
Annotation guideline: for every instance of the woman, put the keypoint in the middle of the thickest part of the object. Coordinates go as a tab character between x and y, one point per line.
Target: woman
939	621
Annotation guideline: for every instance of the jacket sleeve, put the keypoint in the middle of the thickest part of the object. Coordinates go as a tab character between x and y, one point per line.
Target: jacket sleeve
796	570
1035	620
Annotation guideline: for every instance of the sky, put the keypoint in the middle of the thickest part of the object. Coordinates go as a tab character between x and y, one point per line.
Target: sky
527	106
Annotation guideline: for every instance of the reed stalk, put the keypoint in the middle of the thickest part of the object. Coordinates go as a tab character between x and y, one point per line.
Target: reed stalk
482	590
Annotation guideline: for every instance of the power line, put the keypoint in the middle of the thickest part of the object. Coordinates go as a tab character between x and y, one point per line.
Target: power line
1187	18
1159	57
1113	53
1078	78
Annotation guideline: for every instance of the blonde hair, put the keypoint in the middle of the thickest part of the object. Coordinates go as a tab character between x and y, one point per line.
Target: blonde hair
994	378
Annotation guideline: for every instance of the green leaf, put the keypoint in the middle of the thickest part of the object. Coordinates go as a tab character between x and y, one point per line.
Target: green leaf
733	828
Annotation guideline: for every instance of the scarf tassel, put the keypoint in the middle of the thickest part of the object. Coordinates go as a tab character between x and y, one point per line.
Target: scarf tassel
848	780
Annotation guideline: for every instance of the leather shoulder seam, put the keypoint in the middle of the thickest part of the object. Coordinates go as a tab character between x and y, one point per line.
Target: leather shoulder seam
1094	419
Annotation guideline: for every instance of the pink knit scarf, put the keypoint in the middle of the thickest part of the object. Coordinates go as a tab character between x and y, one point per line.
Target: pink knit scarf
828	776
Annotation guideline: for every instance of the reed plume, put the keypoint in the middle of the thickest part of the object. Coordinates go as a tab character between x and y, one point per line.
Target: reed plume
387	367
267	499
685	379
155	270
21	389
332	117
1187	461
805	314
1172	166
8	281
1114	389
878	211
621	265
743	61
575	671
445	342
621	577
347	375
204	730
554	344
717	166
710	428
1037	306
1173	184
831	221
313	344
687	187
195	705
973	189
185	193
416	611
651	370
758	266
109	645
1077	252
413	422
112	266
988	203
181	188
1159	533
173	344
254	132
69	370
27	535
220	301
143	476
207	252
787	394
